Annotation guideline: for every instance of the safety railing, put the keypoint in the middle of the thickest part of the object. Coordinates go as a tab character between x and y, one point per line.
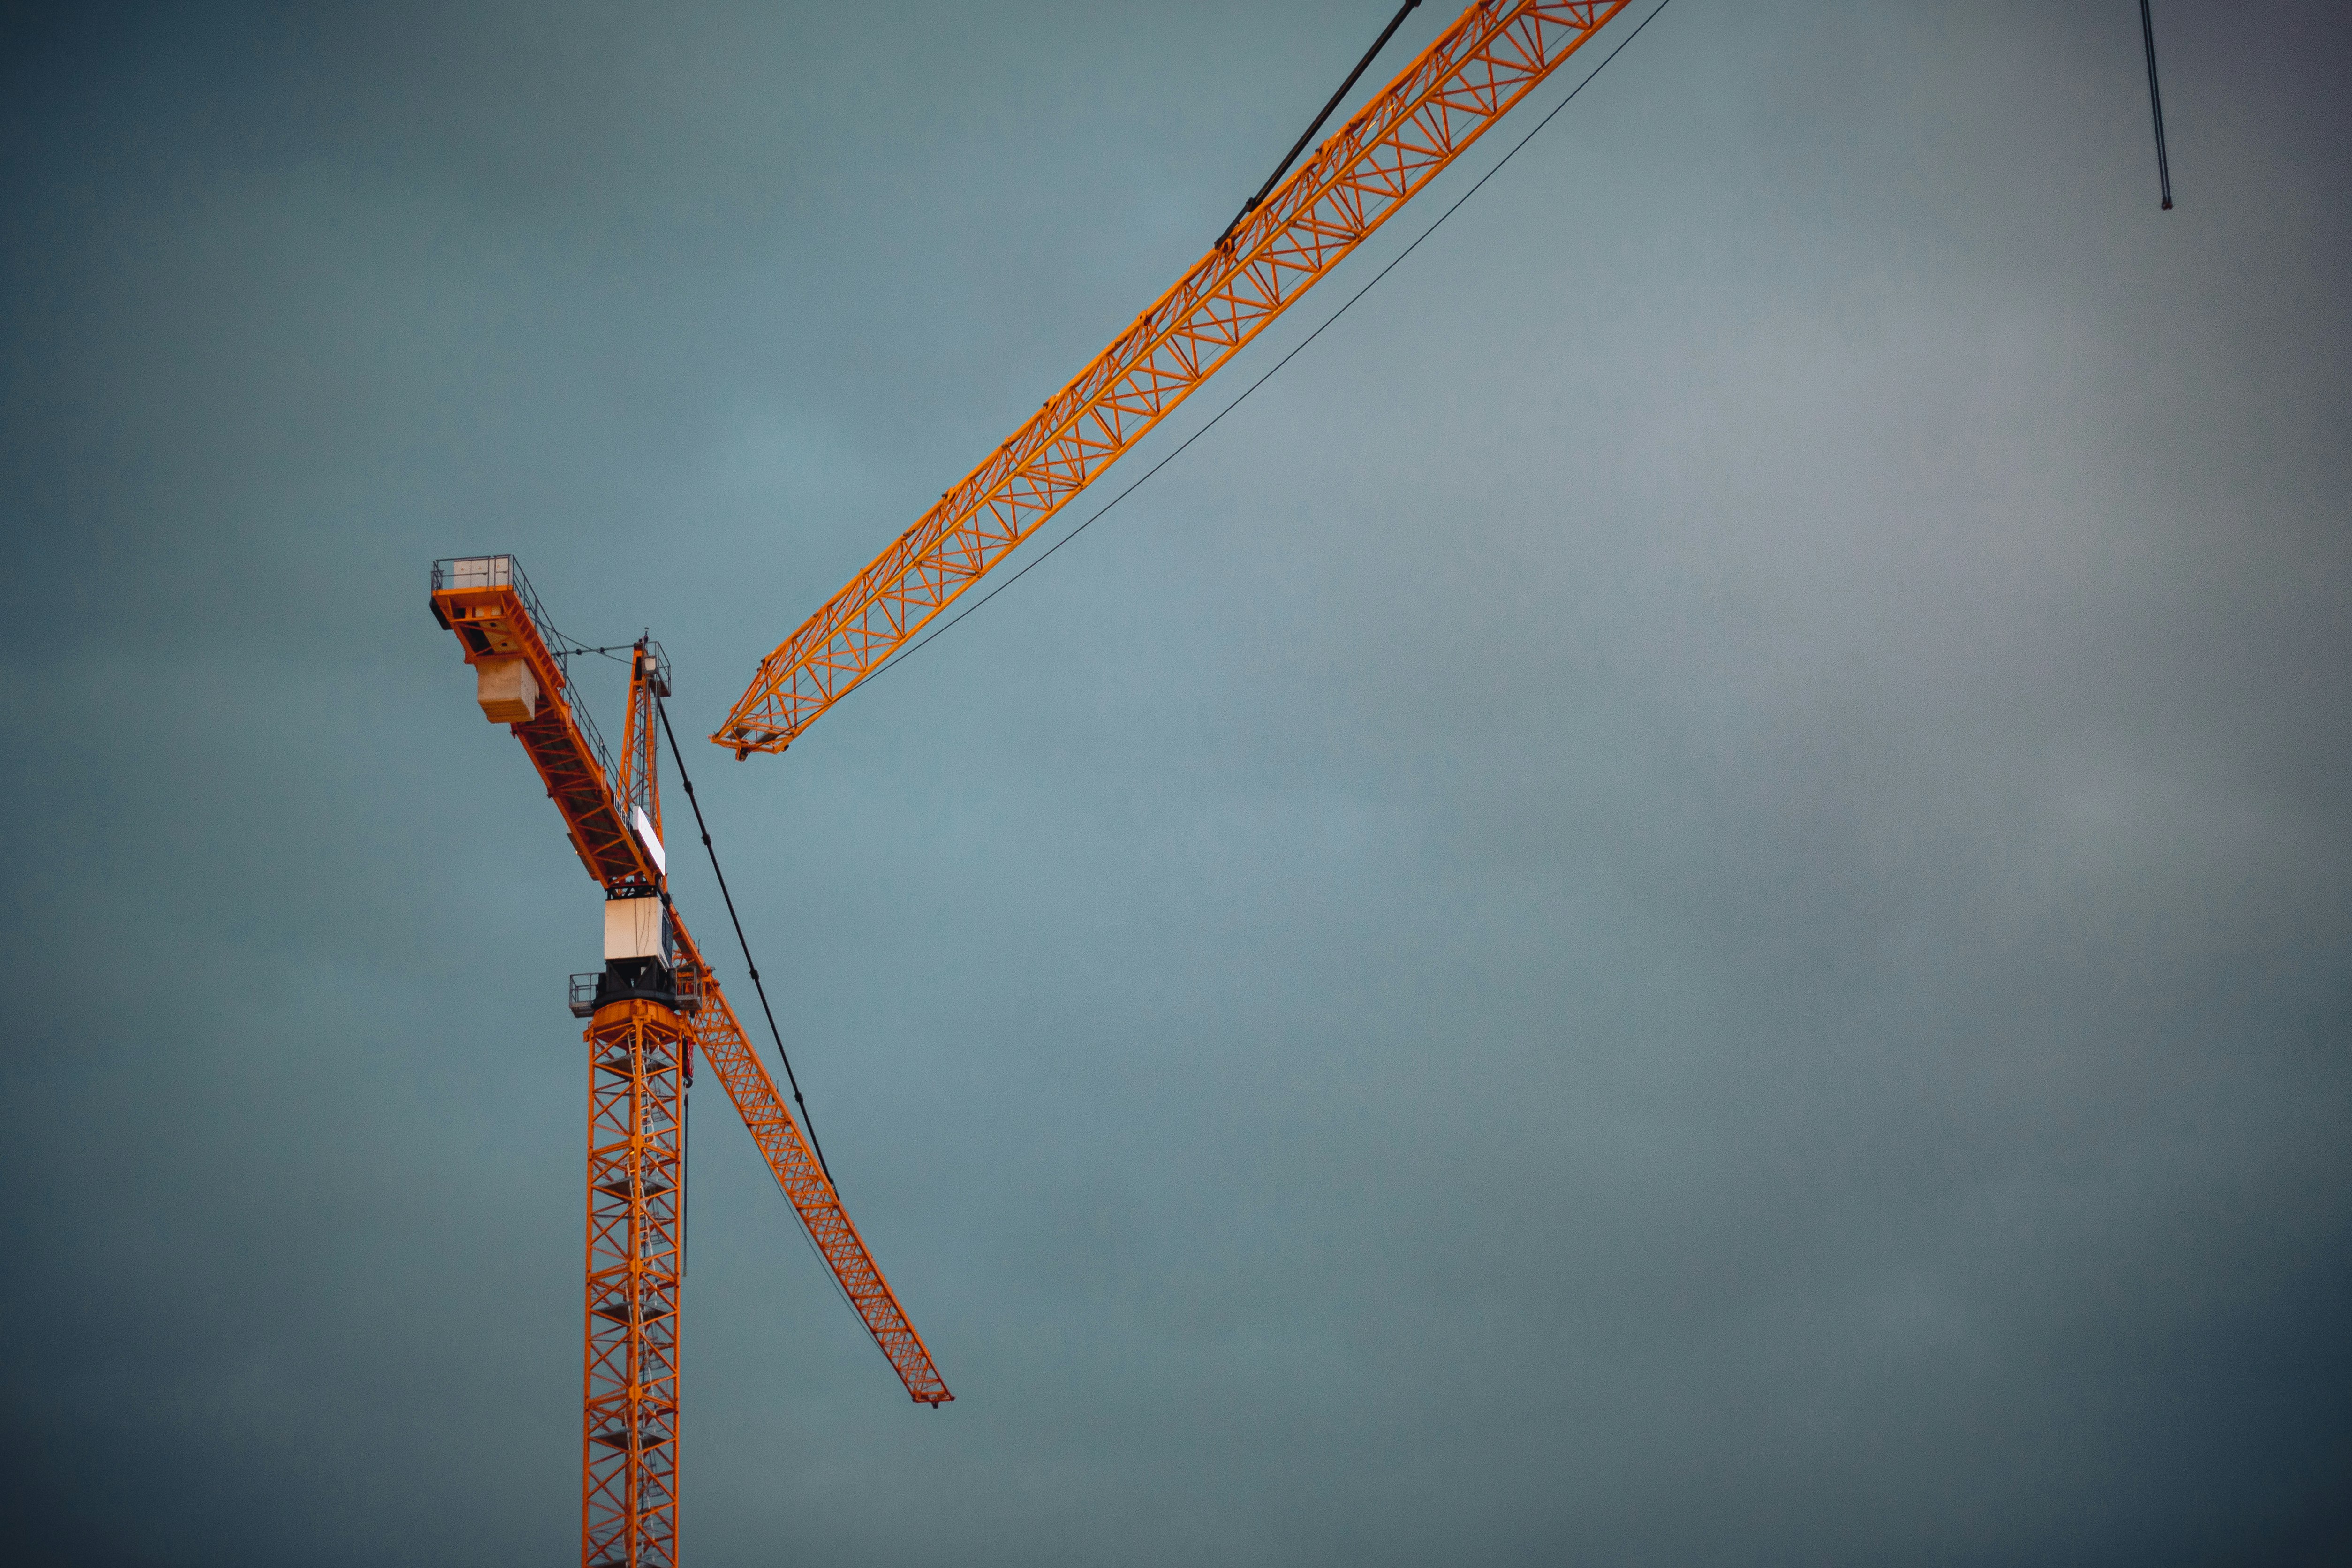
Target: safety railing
505	572
685	984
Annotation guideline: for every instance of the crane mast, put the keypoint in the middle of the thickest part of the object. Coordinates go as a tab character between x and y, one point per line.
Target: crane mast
1472	75
640	1066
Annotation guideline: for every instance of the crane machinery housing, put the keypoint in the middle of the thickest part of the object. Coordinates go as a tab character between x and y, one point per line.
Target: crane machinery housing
656	1001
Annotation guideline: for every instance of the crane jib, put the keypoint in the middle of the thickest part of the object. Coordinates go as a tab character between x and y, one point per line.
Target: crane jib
1472	75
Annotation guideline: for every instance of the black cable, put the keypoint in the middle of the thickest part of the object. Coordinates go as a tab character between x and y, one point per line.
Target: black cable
1290	157
807	1238
2155	103
781	1054
576	645
1285	360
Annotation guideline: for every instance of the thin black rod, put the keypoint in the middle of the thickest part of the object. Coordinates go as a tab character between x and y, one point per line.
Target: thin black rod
1290	157
2155	103
781	1054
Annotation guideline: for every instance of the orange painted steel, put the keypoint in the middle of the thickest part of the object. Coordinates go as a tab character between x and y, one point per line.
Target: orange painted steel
640	733
491	609
603	810
786	1149
1469	78
641	1061
638	1053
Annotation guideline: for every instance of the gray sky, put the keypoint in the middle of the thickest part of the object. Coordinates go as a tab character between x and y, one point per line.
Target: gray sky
1682	901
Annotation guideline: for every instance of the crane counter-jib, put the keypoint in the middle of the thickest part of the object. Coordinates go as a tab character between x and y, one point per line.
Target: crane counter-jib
521	681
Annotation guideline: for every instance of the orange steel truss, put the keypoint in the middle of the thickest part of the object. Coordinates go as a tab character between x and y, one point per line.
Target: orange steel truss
1472	74
782	1143
641	1059
636	1213
790	1158
597	814
486	600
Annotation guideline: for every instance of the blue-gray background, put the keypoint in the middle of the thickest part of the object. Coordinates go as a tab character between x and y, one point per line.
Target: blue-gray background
1682	901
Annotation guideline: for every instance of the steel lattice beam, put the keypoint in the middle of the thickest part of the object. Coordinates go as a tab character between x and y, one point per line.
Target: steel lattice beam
1469	78
636	1207
811	1192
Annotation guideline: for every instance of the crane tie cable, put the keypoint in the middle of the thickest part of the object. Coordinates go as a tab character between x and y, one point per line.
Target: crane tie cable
1039	559
1291	157
2155	105
704	827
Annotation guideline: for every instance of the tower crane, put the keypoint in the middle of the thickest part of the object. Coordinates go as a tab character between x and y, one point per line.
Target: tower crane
652	1007
656	1001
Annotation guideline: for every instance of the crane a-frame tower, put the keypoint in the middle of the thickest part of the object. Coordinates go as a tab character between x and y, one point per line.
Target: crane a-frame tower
657	1003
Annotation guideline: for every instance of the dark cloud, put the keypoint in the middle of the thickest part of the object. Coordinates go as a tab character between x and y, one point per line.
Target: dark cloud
1682	901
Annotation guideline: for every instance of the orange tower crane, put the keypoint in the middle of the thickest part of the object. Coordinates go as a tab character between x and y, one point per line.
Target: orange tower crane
657	1003
654	1005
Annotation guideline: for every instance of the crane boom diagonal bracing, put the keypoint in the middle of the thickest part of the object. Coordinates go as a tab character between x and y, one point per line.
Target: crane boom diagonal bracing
1469	78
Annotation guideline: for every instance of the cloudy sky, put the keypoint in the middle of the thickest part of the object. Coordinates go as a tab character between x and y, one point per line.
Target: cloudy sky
1684	901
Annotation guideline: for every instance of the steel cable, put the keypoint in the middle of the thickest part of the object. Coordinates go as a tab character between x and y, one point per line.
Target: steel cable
781	1054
